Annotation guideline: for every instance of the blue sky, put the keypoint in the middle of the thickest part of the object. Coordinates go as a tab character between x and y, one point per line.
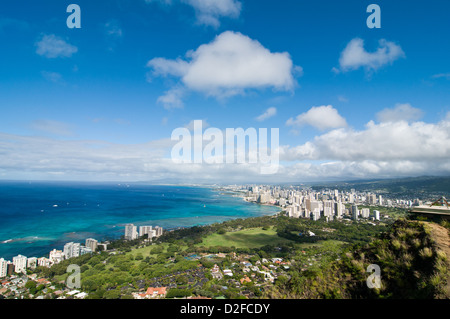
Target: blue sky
137	70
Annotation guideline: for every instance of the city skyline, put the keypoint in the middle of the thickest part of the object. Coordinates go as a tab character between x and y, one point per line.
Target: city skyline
100	103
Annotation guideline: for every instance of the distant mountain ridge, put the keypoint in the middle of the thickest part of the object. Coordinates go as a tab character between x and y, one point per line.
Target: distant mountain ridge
418	185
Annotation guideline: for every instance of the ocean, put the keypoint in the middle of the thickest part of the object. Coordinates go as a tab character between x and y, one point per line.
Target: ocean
36	217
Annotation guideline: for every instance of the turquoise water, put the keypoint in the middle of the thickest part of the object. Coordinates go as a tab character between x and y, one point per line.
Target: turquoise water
37	217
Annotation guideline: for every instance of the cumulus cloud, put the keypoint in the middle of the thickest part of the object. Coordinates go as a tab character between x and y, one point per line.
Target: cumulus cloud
383	142
355	56
172	99
228	66
209	12
81	159
164	67
270	112
401	112
321	117
388	149
51	46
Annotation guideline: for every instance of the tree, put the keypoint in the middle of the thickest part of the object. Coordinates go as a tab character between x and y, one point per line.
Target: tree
111	294
139	256
30	284
94	261
178	293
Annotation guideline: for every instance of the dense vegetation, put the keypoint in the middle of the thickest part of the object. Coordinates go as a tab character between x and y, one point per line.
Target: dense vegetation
411	267
332	263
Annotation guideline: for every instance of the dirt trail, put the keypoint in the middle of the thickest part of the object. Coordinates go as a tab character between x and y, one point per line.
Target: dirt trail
442	238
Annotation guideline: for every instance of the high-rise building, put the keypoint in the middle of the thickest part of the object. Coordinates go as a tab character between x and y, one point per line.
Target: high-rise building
56	256
376	214
315	214
328	208
44	262
85	250
294	211
372	199
131	232
316	205
144	230
351	198
308	205
339	209
92	244
3	267
355	212
71	250
159	231
365	213
10	270
20	263
32	262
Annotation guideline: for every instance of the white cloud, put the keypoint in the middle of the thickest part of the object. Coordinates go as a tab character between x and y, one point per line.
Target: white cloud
172	99
401	112
441	75
383	142
377	151
113	29
228	66
52	47
164	67
320	117
113	32
342	98
355	56
270	112
52	127
209	12
52	76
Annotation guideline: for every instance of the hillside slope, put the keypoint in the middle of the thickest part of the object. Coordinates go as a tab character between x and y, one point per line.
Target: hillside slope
412	257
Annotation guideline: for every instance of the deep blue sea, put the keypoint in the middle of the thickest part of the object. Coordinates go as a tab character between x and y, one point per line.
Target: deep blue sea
36	217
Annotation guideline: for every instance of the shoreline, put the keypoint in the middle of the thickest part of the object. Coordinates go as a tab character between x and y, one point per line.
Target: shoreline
215	189
262	204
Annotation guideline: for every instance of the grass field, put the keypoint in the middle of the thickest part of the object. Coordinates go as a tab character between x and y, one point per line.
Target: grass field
247	238
145	251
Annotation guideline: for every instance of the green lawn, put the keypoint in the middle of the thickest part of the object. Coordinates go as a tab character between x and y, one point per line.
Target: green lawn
247	238
145	251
